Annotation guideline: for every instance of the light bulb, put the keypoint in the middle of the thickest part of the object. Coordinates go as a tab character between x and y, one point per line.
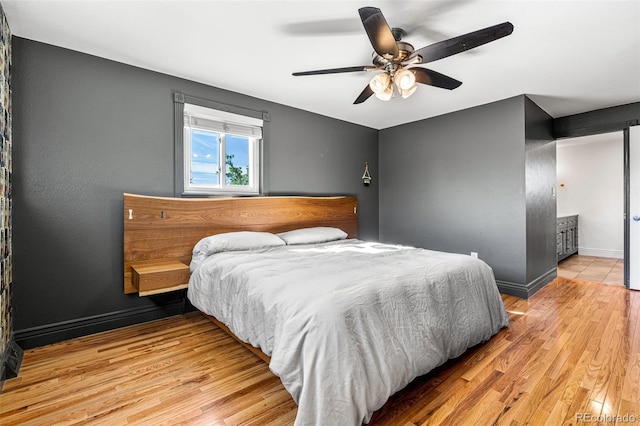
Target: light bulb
387	94
380	82
408	92
404	79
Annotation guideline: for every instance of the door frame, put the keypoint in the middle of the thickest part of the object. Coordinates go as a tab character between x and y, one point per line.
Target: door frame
606	120
627	205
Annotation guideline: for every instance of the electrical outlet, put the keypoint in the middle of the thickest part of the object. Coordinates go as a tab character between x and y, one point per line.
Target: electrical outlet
474	254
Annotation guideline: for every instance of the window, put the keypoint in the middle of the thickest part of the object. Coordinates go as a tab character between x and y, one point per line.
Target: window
220	151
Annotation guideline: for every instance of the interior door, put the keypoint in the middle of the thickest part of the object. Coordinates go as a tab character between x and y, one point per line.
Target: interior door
632	223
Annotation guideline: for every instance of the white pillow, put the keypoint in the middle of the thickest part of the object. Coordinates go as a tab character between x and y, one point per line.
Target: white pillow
320	234
234	241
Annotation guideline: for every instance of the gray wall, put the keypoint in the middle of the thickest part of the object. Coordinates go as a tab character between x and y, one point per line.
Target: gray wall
461	182
456	183
88	129
540	172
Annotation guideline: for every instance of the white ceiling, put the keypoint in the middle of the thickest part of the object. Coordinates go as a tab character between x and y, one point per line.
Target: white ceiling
569	56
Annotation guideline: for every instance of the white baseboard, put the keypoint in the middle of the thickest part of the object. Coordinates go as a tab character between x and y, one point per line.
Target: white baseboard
615	254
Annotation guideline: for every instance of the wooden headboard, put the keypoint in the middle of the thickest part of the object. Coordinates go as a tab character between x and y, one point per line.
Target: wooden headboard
164	228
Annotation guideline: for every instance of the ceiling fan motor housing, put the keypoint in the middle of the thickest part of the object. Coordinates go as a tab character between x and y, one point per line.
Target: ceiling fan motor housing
392	64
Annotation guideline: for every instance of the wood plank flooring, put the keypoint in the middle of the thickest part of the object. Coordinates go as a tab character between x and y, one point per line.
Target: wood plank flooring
570	353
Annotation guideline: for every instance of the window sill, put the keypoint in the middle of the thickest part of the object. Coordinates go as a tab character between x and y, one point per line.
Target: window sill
220	194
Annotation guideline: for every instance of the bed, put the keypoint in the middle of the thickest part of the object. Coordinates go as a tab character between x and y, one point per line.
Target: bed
344	323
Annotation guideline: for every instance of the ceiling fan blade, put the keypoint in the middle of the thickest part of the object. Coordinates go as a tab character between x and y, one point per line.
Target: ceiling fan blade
335	70
432	78
378	31
366	94
449	47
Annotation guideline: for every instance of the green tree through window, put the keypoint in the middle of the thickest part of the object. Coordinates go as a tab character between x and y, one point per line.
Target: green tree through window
235	174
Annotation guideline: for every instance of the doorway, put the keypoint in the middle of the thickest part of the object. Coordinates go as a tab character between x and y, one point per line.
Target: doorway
591	185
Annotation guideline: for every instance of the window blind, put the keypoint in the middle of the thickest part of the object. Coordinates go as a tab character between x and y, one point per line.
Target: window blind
222	121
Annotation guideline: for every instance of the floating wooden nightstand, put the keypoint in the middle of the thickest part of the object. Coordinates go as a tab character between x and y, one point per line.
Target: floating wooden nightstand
159	276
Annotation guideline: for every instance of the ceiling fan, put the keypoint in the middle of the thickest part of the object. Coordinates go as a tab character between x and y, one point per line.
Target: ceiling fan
397	59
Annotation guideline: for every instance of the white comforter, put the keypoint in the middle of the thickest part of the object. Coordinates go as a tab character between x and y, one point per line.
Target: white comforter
349	323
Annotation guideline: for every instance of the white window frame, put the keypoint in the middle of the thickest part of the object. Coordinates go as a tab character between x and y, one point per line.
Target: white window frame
224	123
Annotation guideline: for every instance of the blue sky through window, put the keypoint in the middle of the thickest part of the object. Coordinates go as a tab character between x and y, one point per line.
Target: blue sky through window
205	148
204	157
238	146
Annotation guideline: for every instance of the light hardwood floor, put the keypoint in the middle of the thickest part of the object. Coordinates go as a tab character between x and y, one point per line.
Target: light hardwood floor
570	351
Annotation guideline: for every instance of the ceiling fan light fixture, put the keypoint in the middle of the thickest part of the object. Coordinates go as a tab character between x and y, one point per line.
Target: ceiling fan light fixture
380	83
387	94
405	93
404	79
